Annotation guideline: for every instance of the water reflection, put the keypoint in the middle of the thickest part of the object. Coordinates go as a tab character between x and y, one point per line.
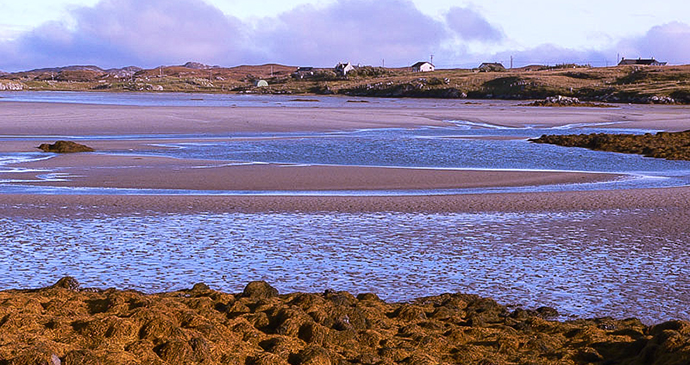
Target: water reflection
572	261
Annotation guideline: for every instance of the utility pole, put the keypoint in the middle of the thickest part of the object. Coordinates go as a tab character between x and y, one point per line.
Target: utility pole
160	72
511	62
383	62
432	59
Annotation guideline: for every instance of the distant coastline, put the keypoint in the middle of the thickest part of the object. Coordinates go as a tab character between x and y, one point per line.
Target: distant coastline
620	84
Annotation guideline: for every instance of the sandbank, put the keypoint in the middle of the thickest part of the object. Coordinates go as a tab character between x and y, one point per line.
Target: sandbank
51	119
146	172
25	125
671	204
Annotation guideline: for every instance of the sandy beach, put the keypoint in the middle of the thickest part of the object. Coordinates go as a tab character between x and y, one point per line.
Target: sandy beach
617	252
44	121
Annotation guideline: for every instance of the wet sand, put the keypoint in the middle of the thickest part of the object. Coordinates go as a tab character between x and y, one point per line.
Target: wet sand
44	119
675	200
144	172
642	216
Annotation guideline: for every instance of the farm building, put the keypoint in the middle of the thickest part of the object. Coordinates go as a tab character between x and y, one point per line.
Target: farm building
640	62
303	72
423	67
491	67
343	68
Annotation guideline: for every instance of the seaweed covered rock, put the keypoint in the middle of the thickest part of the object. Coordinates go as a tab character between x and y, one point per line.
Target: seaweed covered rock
65	147
65	324
668	145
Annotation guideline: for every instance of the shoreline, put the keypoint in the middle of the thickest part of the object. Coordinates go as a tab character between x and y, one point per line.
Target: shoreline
148	326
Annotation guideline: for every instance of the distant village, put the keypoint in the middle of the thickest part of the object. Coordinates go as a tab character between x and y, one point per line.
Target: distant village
633	81
342	69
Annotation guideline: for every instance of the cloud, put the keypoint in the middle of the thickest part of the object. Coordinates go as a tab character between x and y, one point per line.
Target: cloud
123	32
471	26
549	54
667	42
116	33
361	31
148	33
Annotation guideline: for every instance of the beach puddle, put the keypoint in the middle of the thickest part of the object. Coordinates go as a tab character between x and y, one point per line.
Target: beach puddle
585	264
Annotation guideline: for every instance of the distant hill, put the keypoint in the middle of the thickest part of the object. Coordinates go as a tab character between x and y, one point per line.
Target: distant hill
198	66
618	84
67	68
74	73
215	72
124	72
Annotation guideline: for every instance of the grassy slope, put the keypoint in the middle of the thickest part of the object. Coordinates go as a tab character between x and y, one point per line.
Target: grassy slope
613	84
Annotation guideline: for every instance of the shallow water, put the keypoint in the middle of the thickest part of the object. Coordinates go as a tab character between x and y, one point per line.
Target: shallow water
570	261
585	264
463	145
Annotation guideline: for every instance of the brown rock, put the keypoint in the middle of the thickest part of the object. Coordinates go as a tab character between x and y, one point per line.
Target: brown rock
65	147
259	290
68	283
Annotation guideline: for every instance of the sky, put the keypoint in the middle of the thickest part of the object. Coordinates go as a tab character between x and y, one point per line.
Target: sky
322	33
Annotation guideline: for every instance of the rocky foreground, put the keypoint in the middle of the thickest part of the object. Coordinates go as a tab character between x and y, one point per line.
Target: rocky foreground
64	324
668	145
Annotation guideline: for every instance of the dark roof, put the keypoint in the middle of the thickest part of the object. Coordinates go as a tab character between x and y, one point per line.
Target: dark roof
491	64
419	64
305	69
641	61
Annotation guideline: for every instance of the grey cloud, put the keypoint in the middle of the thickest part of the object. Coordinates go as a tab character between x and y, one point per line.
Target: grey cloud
668	42
470	25
122	32
148	33
116	33
549	54
362	31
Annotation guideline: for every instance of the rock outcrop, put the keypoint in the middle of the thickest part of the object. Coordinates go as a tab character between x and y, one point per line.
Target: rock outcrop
65	147
560	100
668	145
66	324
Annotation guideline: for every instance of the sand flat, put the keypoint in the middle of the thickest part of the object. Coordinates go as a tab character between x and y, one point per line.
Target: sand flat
31	119
146	172
51	120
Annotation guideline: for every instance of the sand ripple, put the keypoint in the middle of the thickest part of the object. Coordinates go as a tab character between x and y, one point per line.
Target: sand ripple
571	261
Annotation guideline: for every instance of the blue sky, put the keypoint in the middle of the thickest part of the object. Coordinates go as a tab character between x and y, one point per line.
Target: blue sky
148	33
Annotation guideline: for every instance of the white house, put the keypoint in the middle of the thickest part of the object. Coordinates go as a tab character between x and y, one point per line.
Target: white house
423	67
344	68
